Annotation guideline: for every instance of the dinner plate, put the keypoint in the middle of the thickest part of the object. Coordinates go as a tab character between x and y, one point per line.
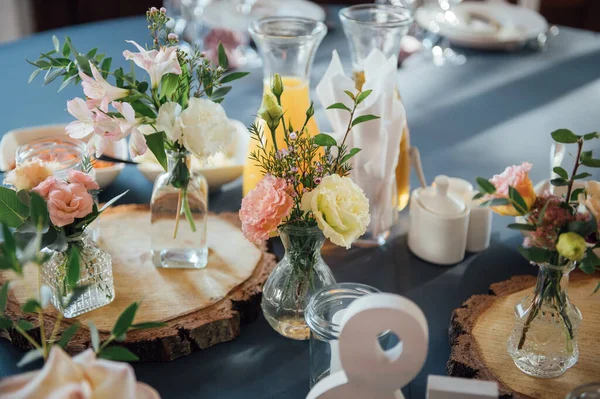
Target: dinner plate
492	26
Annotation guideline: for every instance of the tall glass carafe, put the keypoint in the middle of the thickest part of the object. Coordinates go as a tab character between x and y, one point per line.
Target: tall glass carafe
376	26
287	46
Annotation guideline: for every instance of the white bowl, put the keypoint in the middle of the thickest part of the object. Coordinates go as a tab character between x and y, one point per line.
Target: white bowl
216	176
15	138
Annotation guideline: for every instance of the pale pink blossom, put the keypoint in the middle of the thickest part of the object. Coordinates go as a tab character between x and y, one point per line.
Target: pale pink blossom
173	36
98	90
156	62
66	201
85	123
264	208
129	127
163	10
516	176
83	376
84	179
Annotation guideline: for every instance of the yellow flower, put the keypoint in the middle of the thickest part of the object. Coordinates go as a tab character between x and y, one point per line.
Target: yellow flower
270	111
516	176
571	246
340	208
29	174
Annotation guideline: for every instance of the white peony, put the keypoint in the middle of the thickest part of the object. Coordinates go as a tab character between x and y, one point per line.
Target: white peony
169	120
206	129
340	208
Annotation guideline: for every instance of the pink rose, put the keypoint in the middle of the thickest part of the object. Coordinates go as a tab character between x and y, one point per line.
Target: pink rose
84	179
66	201
264	208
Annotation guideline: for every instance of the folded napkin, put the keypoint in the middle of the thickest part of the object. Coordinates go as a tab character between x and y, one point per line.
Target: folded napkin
82	377
374	167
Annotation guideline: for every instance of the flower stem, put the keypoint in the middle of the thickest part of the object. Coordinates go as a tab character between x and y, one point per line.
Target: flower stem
41	313
178	214
55	329
188	212
28	337
575	167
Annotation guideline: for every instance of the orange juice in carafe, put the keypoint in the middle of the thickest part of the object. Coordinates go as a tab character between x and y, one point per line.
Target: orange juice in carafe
403	167
294	101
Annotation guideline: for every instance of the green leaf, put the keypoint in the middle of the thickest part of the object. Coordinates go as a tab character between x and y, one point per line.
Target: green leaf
84	64
73	270
485	186
584	228
565	136
350	94
559	182
125	320
56	43
496	202
347	157
514	195
142	86
33	75
324	140
52	76
576	192
362	96
223	61
121	338
31	306
38	212
561	172
112	201
31	356
586	155
168	85
363	118
95	336
3	297
105	67
589	262
92	53
118	353
339	106
66	50
67	335
478	196
233	76
221	92
536	255
581	176
521	226
12	211
148	325
156	144
5	323
591	136
143	109
67	82
542	214
24	325
591	163
9	245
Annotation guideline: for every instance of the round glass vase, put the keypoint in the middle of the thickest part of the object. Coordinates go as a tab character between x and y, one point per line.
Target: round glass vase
300	274
543	342
96	275
179	214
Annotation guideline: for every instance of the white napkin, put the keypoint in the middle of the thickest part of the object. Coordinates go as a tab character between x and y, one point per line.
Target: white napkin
374	167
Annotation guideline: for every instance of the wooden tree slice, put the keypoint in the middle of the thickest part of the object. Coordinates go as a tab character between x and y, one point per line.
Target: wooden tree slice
201	307
479	332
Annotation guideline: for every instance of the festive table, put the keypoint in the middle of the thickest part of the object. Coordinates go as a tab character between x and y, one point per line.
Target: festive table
469	120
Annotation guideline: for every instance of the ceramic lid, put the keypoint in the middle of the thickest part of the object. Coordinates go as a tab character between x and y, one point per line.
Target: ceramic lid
438	200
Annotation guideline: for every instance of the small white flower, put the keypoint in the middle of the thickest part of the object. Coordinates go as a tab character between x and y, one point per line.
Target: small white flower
85	123
206	129
169	120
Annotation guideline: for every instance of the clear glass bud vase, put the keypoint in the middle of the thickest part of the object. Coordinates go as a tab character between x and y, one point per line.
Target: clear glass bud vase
179	212
95	267
300	274
543	342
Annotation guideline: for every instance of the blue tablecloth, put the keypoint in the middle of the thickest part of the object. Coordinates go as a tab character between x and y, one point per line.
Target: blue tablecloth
497	109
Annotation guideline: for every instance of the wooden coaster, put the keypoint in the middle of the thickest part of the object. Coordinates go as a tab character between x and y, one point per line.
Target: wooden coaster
201	307
480	329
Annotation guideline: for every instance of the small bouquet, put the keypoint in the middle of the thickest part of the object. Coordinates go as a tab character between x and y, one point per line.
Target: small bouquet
561	233
178	110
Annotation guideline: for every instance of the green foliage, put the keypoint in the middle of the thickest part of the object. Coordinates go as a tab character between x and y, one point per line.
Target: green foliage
517	200
12	211
536	255
222	55
73	269
3	297
31	306
485	186
565	136
118	353
324	140
522	226
125	320
561	172
362	119
67	335
30	357
156	144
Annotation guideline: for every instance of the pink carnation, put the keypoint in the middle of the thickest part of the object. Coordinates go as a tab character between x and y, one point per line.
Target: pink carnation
84	179
66	201
264	208
513	176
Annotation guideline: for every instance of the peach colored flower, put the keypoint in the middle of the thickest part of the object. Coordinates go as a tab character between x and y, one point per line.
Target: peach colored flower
516	176
29	174
84	179
264	208
66	201
83	376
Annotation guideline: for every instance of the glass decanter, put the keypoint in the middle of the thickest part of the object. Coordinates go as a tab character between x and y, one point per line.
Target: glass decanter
287	46
543	342
376	26
300	274
95	273
179	214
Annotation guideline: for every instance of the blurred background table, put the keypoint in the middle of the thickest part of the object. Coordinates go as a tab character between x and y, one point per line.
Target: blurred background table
497	109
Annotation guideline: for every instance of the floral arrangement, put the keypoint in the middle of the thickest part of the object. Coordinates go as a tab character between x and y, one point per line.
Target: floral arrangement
178	110
305	183
560	230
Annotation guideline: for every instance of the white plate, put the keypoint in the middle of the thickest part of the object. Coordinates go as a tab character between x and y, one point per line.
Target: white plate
15	138
215	176
518	25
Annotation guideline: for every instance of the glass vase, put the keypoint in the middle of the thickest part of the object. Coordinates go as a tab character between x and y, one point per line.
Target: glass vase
543	342
287	46
95	273
179	213
382	27
300	274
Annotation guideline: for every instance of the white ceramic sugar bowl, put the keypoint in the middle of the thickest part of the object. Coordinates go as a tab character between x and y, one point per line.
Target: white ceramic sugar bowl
439	224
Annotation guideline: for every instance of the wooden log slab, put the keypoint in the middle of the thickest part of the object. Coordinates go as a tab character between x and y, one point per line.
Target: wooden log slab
479	332
201	307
